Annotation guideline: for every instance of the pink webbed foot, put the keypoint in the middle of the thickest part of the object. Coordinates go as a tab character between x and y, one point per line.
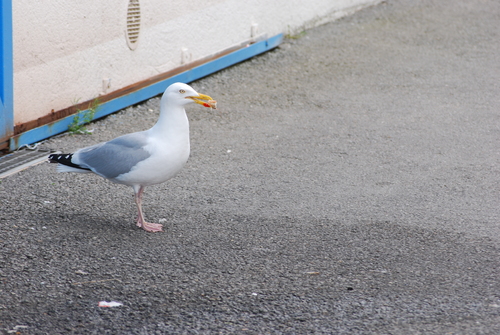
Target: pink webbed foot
148	226
151	227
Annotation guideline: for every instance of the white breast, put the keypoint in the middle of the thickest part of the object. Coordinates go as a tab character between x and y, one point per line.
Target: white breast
167	158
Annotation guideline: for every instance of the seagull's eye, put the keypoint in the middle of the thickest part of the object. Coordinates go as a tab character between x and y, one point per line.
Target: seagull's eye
182	91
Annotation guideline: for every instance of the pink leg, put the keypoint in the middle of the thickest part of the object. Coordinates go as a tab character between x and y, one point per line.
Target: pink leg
138	202
147	226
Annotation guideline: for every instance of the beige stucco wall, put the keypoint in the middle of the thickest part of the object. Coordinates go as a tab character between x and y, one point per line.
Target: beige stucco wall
63	49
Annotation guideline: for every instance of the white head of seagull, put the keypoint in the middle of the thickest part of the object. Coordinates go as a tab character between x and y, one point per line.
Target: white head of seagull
143	158
180	94
173	118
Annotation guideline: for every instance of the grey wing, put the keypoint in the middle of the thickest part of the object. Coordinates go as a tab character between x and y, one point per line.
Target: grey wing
113	158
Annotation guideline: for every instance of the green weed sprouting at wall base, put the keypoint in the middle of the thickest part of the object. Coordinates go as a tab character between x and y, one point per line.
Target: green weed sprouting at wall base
292	36
83	117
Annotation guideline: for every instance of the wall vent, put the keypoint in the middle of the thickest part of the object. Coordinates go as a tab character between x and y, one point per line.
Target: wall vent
133	23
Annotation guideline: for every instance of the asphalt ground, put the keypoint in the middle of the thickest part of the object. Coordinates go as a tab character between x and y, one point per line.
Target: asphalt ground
348	184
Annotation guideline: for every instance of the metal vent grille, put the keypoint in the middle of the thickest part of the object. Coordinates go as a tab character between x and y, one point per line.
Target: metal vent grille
20	160
133	23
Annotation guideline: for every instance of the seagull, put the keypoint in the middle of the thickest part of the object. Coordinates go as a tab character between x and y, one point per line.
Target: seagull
144	158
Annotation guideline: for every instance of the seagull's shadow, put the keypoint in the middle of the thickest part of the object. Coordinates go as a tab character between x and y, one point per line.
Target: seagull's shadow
93	223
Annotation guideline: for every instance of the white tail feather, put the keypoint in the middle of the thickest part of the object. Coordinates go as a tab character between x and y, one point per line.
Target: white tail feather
65	168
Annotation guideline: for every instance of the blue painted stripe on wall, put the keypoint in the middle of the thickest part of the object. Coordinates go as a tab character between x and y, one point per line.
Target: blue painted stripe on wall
6	77
60	126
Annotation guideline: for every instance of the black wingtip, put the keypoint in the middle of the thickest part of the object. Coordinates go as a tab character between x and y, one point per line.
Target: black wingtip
61	158
64	159
53	158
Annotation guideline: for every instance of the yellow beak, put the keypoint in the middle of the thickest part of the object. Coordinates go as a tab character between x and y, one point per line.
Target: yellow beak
204	100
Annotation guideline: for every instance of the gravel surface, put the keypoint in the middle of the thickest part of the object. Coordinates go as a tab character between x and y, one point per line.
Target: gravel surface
348	184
